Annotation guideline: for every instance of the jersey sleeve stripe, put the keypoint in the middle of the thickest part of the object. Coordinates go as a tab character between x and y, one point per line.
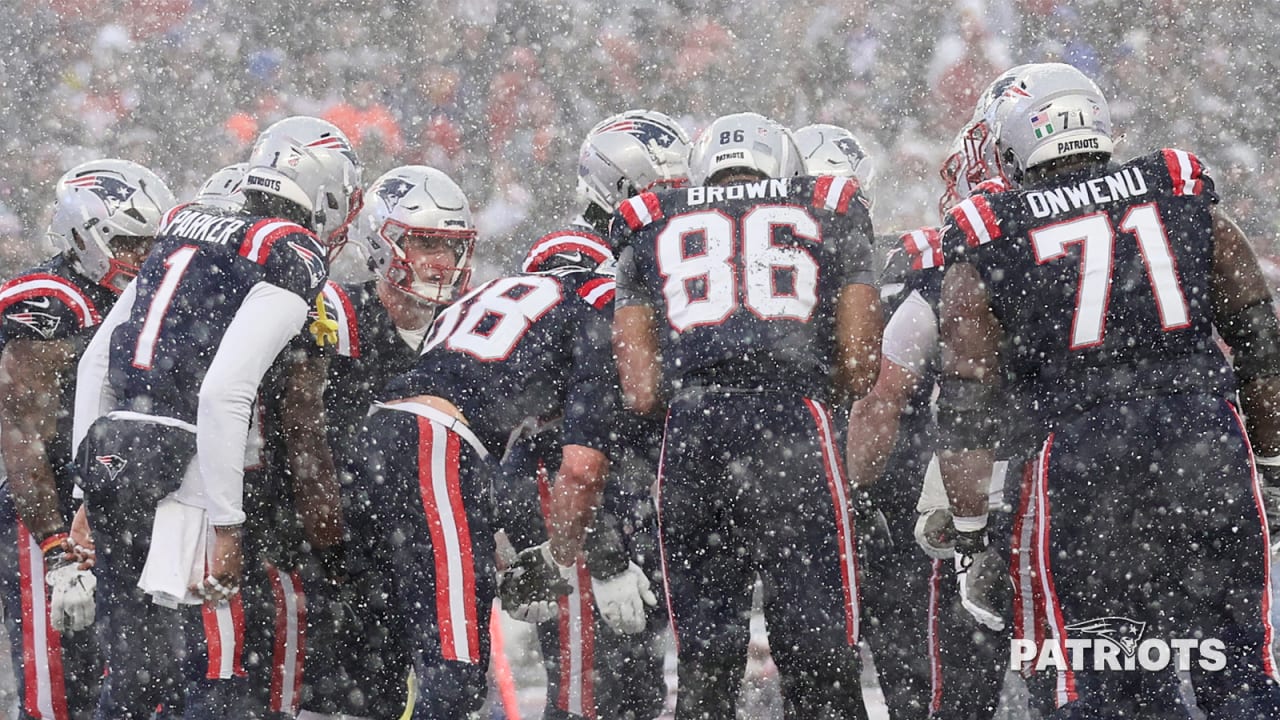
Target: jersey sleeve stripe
348	327
258	241
565	242
976	219
821	189
652	205
1184	170
847	192
33	286
598	292
629	214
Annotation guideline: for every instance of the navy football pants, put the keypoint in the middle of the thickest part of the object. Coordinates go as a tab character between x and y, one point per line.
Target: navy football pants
426	528
750	485
1141	521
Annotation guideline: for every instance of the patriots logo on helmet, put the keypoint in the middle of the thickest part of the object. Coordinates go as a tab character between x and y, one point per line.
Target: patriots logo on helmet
1122	631
113	191
851	149
646	131
393	190
333	142
114	464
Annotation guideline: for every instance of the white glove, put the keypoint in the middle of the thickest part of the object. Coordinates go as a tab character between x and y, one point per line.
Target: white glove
71	607
935	534
622	598
983	578
530	587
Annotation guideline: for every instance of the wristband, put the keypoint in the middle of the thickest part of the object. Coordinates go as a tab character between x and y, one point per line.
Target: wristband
1271	461
52	542
970	524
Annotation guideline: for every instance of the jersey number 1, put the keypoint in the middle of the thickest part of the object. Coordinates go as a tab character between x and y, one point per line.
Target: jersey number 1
174	266
1097	238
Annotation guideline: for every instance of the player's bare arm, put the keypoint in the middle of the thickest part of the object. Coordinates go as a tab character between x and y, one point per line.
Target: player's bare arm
315	480
29	401
873	423
635	345
574	498
1245	317
859	329
970	336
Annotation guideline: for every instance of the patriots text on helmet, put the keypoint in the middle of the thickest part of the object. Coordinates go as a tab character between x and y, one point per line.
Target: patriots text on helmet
1121	185
772	188
269	183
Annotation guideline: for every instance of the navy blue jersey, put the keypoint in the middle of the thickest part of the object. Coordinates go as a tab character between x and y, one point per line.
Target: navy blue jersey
53	301
370	352
531	345
1101	280
204	263
745	278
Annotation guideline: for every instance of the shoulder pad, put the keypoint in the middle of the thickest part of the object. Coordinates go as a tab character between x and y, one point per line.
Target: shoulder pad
170	215
836	193
974	217
1185	171
924	246
641	210
262	235
598	291
41	301
340	308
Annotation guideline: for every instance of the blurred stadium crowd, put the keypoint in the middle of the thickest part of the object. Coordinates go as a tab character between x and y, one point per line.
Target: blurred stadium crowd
498	93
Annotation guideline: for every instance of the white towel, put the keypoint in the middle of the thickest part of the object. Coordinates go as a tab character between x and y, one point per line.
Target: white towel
176	560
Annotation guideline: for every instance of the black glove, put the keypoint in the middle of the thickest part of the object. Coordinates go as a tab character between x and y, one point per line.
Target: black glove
983	577
874	539
530	589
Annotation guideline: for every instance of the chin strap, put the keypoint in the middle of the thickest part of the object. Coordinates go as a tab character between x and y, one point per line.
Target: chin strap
322	328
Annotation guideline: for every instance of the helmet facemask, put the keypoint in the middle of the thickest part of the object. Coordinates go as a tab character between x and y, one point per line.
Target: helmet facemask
453	276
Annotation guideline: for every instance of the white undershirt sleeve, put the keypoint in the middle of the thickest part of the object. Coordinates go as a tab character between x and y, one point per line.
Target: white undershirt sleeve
94	396
911	335
267	320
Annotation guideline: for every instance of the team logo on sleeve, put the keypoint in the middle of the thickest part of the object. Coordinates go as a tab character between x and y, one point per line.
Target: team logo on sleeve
314	263
392	191
113	191
43	323
113	464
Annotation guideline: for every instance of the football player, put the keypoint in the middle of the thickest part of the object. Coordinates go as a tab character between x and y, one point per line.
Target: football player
105	217
745	306
417	235
420	515
166	392
1095	290
595	668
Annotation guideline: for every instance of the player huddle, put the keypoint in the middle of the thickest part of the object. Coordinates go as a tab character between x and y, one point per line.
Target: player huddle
238	489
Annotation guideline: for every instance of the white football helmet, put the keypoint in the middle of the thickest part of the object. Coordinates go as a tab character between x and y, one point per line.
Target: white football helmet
416	202
833	150
631	153
1049	111
747	142
224	189
101	206
310	163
